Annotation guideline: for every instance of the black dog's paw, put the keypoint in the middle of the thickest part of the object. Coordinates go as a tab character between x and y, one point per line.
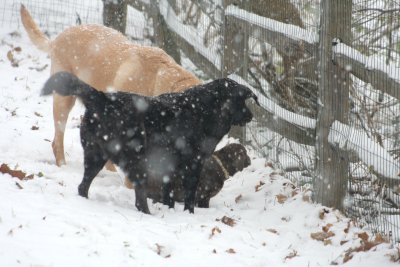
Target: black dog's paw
83	190
143	209
189	207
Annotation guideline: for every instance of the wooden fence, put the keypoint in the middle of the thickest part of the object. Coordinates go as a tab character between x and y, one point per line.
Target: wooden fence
335	141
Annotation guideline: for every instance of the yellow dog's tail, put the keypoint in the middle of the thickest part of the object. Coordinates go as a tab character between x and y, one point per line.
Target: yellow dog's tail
38	38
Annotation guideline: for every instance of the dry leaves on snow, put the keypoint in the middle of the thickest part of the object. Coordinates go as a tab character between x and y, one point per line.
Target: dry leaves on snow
366	245
4	168
324	235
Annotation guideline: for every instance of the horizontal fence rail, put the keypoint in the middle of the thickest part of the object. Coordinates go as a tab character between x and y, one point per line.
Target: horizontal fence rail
290	54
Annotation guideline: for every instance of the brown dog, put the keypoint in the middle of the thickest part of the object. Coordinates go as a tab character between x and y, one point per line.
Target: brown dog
216	170
106	60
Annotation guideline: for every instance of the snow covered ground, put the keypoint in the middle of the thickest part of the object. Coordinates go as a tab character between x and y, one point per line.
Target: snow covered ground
258	219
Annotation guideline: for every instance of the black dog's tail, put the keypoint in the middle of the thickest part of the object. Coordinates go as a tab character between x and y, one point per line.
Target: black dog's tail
67	84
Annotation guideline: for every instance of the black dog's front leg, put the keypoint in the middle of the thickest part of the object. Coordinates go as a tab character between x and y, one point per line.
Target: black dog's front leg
190	182
139	179
168	197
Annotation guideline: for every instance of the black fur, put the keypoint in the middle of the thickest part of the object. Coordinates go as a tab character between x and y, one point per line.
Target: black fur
168	136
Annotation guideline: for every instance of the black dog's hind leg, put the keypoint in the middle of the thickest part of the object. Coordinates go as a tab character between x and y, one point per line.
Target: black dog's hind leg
141	198
94	161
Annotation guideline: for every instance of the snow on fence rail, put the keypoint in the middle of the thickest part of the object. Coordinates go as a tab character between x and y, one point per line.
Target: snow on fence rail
371	153
280	35
295	127
373	70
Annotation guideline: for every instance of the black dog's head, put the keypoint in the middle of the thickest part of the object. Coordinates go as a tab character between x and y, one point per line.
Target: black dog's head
235	104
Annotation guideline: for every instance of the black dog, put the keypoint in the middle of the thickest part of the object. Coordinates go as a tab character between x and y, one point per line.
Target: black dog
216	170
168	136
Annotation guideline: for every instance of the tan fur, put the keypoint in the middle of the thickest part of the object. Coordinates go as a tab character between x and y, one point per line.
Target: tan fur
105	59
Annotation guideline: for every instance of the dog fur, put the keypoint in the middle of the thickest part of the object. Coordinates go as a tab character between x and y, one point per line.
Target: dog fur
167	137
106	60
216	170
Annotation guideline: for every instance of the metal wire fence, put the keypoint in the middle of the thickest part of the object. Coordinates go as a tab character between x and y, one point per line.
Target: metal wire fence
275	46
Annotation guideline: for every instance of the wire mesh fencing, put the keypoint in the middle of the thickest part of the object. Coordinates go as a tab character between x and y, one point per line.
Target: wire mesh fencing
327	75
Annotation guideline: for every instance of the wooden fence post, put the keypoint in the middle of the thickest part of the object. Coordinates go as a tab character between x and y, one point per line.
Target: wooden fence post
332	167
234	58
114	14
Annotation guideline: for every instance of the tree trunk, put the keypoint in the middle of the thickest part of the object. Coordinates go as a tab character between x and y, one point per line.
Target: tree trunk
114	14
330	183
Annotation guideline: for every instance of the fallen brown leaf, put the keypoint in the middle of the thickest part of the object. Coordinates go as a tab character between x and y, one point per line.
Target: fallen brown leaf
14	173
346	230
258	187
321	236
13	61
322	213
364	236
327	227
273	231
291	255
380	238
231	251
228	221
238	198
214	231
269	164
281	198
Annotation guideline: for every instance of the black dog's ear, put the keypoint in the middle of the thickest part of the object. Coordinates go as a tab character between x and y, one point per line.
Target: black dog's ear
254	96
